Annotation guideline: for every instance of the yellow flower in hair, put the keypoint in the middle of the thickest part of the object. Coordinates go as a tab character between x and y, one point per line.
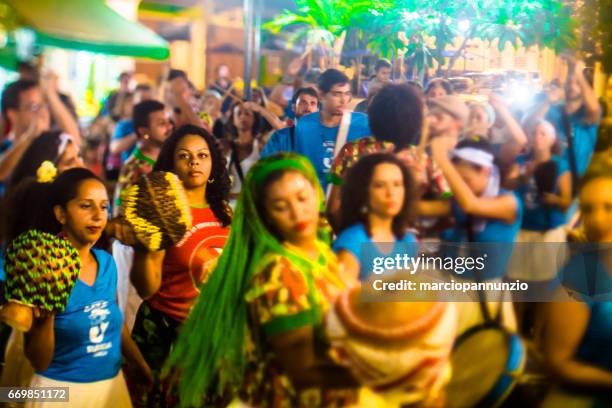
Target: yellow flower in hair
46	173
206	118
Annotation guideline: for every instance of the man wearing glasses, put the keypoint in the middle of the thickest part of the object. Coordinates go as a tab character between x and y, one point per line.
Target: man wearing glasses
27	107
316	133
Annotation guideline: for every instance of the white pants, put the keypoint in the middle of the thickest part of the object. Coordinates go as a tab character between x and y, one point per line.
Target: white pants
17	371
128	299
112	393
544	261
124	258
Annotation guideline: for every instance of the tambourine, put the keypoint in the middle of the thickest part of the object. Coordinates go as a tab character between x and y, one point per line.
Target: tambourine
41	271
157	209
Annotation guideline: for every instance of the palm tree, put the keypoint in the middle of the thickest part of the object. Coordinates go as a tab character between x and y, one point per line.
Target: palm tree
318	22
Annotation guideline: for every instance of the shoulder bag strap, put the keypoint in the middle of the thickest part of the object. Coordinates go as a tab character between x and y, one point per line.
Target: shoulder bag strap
569	133
292	133
345	124
482	301
236	162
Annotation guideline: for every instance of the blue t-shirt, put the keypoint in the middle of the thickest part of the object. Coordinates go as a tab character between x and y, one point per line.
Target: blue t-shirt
280	141
495	232
317	142
352	238
4	146
538	216
591	281
288	111
585	135
587	276
595	345
123	129
2	271
88	332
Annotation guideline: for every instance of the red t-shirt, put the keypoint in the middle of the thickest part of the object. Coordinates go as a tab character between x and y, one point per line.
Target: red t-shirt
187	264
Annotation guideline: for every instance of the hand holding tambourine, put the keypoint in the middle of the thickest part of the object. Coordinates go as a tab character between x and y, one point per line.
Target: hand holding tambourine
156	212
41	271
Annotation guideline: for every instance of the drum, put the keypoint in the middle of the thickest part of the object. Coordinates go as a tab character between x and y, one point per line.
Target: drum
399	349
487	362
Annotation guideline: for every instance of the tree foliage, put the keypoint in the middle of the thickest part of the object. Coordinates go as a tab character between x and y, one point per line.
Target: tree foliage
546	23
324	22
429	30
596	16
605	34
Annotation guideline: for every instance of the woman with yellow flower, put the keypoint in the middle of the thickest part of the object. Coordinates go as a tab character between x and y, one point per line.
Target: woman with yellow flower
50	154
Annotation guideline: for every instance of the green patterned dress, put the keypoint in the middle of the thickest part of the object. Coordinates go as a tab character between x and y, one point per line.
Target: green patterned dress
284	297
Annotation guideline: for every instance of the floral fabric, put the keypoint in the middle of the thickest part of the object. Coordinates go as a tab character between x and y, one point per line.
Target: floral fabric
432	181
284	297
352	152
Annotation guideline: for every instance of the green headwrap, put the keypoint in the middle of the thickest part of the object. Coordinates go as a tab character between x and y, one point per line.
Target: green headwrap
211	346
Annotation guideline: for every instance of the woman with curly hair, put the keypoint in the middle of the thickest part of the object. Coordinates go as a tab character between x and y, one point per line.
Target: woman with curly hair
168	280
378	202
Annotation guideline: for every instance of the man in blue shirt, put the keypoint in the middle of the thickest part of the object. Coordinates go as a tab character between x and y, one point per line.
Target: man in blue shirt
304	101
580	112
316	133
124	138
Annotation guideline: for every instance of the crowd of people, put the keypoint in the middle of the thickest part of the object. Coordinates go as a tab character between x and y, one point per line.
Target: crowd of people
261	303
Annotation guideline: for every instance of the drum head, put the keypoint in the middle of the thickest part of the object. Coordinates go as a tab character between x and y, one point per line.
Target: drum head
390	321
478	362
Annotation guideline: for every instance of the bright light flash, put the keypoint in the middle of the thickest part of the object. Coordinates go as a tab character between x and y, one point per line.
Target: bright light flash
464	25
520	94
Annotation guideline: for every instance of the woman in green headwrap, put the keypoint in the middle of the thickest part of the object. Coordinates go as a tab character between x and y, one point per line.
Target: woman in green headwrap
256	330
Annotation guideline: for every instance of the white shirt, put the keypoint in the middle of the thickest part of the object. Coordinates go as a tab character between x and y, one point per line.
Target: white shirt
245	165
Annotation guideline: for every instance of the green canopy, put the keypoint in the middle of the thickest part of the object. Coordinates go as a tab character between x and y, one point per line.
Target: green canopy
88	25
8	57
